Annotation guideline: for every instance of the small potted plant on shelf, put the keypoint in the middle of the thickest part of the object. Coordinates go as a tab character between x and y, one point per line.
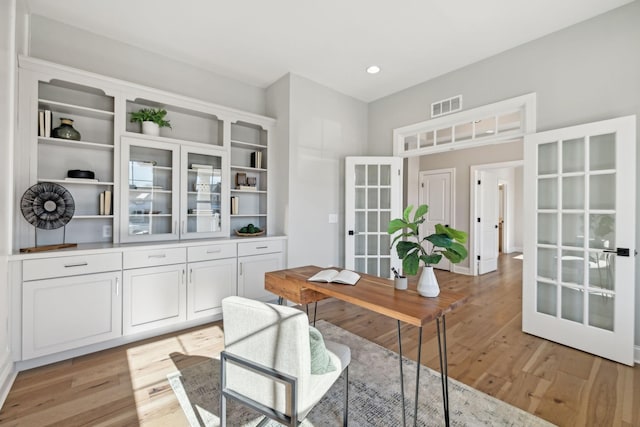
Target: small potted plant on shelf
446	242
152	119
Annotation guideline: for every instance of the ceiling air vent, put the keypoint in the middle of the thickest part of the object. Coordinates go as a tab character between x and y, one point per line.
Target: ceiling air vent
446	106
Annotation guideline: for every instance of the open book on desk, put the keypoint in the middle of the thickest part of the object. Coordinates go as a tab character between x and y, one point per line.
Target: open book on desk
345	277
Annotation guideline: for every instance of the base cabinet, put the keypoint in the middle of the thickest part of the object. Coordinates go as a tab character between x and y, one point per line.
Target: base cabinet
153	297
69	312
209	283
251	271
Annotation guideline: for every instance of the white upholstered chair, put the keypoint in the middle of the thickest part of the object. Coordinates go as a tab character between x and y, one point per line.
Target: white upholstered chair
266	363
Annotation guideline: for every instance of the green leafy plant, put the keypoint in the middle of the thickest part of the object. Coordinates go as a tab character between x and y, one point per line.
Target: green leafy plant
151	115
447	242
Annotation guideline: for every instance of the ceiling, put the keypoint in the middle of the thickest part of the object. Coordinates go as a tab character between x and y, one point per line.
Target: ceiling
331	41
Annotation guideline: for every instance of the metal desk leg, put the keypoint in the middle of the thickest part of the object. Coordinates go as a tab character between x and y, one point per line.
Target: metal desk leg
404	421
444	372
315	311
415	407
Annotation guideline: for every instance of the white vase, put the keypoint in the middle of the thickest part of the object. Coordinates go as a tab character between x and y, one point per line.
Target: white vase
150	128
428	284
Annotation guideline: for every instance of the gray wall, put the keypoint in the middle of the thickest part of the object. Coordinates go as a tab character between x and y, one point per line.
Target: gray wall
325	126
584	73
60	43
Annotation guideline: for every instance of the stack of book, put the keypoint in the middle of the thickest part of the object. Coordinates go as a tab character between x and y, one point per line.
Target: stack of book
44	123
256	159
235	202
105	203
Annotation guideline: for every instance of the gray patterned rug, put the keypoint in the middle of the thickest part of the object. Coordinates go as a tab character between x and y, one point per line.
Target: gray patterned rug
374	396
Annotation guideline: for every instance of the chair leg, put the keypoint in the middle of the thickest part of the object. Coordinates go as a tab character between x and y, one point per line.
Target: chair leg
345	420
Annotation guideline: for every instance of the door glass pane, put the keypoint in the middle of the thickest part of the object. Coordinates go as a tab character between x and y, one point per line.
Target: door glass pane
463	132
548	158
360	198
602	231
443	136
573	192
485	127
385	242
372	245
602	270
360	174
361	222
360	243
385	218
385	175
372	266
602	153
372	175
385	267
547	301
601	310
573	230
572	304
547	228
509	122
573	155
372	200
601	194
547	266
204	178
548	193
385	198
372	222
573	267
360	264
410	142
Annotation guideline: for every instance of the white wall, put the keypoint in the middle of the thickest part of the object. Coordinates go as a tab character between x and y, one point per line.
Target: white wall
64	44
325	127
585	73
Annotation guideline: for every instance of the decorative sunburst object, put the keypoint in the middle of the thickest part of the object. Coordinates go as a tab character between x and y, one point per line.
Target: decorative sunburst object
47	205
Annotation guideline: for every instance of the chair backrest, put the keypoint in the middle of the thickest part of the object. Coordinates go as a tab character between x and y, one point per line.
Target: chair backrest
271	335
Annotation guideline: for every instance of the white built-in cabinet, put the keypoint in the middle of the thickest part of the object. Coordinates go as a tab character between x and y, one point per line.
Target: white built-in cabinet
165	253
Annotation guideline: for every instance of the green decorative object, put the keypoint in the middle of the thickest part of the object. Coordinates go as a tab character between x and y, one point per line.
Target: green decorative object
446	242
155	115
320	360
66	130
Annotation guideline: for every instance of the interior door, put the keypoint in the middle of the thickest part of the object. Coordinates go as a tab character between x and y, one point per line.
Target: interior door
488	224
373	196
435	191
580	237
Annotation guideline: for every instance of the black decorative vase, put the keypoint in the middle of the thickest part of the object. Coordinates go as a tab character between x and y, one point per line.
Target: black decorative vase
66	130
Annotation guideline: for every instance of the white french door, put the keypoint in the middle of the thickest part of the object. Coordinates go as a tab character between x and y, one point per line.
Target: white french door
578	273
487	228
373	197
435	191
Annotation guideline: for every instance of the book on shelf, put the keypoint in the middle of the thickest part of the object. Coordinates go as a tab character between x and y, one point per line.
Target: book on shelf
246	187
256	159
101	208
199	166
81	179
105	203
344	277
235	203
47	123
40	122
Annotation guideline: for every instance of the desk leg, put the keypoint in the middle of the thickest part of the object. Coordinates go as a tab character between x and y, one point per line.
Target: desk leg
315	311
415	407
280	300
444	371
404	421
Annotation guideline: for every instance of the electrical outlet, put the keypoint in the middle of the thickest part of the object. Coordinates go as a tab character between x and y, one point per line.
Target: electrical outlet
106	231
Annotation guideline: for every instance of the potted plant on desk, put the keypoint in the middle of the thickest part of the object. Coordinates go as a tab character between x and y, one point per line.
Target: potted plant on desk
446	242
152	119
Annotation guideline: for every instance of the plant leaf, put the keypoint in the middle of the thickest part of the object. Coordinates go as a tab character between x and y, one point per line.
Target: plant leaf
410	264
457	235
440	240
406	213
420	212
431	259
395	225
404	247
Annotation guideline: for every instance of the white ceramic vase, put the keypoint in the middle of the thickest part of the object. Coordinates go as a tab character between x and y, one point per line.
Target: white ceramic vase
428	284
150	128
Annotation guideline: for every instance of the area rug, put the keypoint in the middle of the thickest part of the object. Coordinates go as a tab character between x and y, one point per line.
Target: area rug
374	394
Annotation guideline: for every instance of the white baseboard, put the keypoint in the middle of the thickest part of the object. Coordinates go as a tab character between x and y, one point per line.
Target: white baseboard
462	270
636	354
7	376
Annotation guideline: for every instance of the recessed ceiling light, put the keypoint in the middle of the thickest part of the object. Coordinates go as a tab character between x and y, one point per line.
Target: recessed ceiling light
374	69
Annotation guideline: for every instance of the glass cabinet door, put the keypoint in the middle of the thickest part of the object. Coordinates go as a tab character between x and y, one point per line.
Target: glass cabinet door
202	201
149	190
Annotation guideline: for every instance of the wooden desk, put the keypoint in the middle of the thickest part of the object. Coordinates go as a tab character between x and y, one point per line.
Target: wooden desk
378	295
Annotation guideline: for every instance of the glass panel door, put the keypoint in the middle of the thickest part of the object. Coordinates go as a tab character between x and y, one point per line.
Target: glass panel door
149	190
373	197
203	203
579	266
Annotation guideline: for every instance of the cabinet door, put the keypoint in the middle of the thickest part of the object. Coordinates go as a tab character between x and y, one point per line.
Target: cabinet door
150	190
251	271
204	210
69	312
153	297
209	283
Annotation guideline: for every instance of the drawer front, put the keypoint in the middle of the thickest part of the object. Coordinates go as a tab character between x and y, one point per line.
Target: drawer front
261	247
35	269
211	252
154	257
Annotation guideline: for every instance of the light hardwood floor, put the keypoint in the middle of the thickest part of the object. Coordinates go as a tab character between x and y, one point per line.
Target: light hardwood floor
127	386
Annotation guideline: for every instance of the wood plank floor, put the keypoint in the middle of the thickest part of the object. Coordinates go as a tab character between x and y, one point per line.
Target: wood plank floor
127	386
